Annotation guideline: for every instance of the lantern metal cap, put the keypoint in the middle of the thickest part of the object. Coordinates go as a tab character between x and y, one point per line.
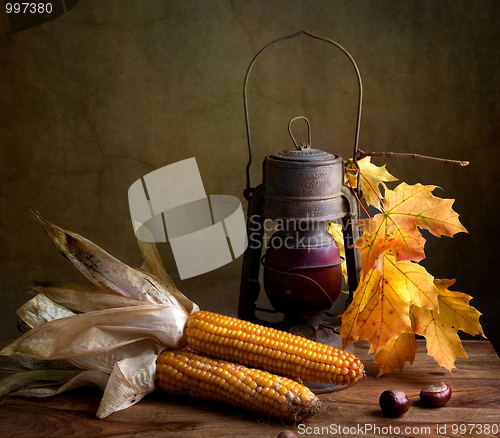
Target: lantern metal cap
306	154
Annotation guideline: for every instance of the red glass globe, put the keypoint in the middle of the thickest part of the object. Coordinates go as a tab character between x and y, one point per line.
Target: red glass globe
302	280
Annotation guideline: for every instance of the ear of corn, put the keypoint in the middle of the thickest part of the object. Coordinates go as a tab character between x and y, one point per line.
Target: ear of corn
270	349
186	372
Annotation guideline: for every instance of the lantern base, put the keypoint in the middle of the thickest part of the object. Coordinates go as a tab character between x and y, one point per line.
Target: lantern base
327	334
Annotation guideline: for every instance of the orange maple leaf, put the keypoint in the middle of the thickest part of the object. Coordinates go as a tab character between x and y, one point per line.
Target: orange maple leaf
407	208
380	308
454	307
360	298
396	353
442	340
385	316
372	177
411	282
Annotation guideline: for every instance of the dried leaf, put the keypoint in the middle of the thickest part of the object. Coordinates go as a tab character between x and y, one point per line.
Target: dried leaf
411	282
380	236
105	362
102	331
40	309
152	261
396	353
336	231
442	341
106	271
119	345
372	177
454	308
407	208
132	379
82	378
85	298
385	316
361	296
16	382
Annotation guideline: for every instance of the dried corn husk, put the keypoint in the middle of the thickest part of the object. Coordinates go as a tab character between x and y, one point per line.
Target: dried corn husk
151	260
108	272
118	345
17	382
102	331
132	378
40	309
84	298
47	383
18	364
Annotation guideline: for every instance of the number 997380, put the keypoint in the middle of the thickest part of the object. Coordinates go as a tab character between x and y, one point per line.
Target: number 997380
28	8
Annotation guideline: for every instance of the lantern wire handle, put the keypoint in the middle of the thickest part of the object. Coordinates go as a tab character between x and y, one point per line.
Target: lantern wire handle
308	132
249	189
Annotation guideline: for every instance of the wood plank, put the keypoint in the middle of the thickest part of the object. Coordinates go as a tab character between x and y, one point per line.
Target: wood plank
476	400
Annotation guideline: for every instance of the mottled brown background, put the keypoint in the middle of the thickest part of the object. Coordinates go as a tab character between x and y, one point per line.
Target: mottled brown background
111	90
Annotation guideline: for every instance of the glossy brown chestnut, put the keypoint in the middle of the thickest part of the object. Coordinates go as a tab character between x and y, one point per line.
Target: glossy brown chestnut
436	395
394	403
287	434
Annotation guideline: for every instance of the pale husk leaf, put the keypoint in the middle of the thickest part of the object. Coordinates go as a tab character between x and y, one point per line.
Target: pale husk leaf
84	298
106	271
132	379
84	378
40	310
151	260
30	379
24	363
102	331
123	341
106	361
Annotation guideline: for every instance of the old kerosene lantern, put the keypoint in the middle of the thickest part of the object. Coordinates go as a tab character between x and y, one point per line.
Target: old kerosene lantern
302	191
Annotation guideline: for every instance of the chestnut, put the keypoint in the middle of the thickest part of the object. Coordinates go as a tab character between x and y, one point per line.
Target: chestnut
287	434
394	402
435	395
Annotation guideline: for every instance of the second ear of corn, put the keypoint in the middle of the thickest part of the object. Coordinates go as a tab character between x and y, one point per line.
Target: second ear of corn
186	372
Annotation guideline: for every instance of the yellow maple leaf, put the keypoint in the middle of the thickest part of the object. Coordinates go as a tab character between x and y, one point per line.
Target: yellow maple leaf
396	353
407	208
454	308
411	282
384	317
372	177
336	231
360	298
440	330
441	339
381	304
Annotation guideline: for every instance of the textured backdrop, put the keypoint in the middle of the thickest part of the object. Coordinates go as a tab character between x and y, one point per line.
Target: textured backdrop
111	90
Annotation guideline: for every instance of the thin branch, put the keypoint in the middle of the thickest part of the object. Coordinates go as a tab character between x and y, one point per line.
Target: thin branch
359	202
414	156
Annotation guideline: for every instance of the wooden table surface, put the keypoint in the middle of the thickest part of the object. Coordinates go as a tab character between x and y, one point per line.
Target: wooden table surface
474	409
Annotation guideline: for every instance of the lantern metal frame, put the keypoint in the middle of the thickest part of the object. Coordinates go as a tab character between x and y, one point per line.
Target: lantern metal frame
250	284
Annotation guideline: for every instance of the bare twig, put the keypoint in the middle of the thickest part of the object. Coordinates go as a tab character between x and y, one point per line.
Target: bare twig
414	156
